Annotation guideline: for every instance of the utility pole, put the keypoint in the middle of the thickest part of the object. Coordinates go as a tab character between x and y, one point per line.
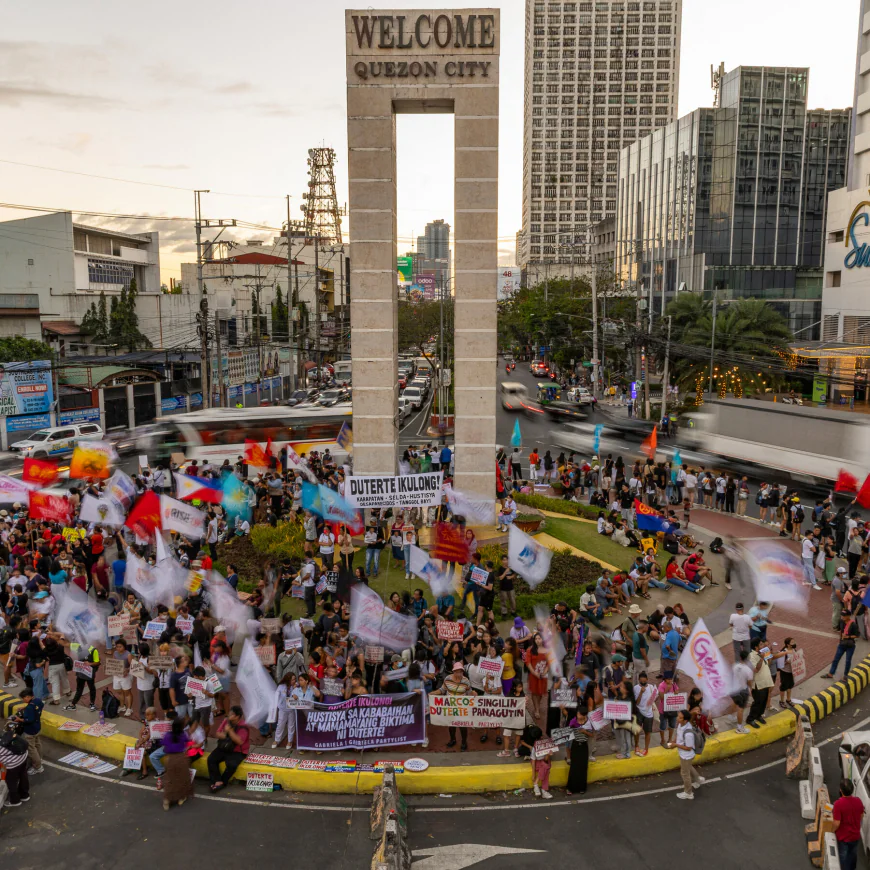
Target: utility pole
665	375
220	361
291	324
713	343
317	303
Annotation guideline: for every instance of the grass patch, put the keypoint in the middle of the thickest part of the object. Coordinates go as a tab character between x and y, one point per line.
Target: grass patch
585	537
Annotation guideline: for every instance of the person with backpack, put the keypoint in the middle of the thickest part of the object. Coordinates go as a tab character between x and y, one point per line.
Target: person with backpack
845	646
13	757
689	743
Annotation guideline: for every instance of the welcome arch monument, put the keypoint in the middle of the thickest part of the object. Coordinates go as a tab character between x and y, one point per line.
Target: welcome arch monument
421	61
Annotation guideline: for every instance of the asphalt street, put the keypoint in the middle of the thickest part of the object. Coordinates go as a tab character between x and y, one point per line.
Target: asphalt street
746	816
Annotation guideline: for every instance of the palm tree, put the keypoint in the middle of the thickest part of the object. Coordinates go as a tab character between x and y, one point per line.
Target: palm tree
751	339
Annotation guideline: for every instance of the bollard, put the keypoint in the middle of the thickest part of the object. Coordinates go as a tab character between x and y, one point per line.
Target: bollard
797	755
832	853
389	826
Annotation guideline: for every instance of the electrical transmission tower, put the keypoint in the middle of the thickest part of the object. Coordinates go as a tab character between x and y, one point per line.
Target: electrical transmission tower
322	214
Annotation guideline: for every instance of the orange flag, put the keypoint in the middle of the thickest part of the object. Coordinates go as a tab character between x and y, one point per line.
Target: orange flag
91	459
255	455
649	444
39	471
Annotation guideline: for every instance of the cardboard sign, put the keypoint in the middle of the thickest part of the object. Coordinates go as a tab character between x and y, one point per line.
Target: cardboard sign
596	719
195	688
449	630
561	736
491	666
213	684
292	643
563	697
143	460
333	687
297	591
161	663
260	781
130	633
153	630
479	576
298	704
158	729
83	669
798	666
70	725
306	624
675	701
116	624
374	654
271	626
266	654
320	588
332	581
137	669
184	625
545	747
272	760
133	758
617	711
194	581
114	667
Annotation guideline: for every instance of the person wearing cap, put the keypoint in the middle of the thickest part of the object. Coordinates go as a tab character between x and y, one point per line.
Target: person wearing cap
456	685
839	585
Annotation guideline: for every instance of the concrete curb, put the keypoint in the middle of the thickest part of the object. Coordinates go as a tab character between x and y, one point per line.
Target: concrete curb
822	704
454	780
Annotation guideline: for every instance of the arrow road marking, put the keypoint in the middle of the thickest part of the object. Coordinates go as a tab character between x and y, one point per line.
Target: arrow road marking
462	855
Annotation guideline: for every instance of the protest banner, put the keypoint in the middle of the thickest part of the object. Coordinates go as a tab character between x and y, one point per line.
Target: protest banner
271	626
82	669
137	669
596	719
161	663
561	736
292	643
478	711
394	674
130	634
479	576
703	661
564	697
404	491
133	758
545	747
272	760
362	722
179	517
451	544
153	630
157	729
195	687
675	701
184	624
114	667
491	666
617	711
330	686
260	781
266	654
447	630
798	666
374	654
116	624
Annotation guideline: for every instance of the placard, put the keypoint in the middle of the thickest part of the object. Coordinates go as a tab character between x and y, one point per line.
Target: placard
213	684
563	697
157	729
297	591
330	686
545	747
374	654
83	669
394	674
137	669
114	667
292	643
332	581
161	663
298	704
260	781
130	633
271	626
320	588
184	624
798	665
71	725
479	576
116	624
478	711
675	701
403	491
450	631
272	760
491	666
194	581
306	624
133	758
561	736
195	688
617	711
266	654
153	630
596	719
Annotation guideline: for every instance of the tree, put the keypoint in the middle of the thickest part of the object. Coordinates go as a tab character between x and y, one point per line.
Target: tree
91	321
102	318
123	325
280	317
420	325
19	349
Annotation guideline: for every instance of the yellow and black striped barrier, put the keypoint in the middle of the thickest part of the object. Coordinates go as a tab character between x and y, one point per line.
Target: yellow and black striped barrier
824	703
9	704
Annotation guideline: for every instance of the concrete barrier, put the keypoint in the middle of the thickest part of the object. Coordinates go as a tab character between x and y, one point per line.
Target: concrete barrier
797	755
389	825
834	696
832	853
822	824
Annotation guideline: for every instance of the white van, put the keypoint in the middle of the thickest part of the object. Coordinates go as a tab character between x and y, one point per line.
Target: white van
61	439
513	396
415	396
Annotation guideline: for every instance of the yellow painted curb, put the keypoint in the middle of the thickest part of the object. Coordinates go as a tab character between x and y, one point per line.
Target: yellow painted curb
456	780
555	544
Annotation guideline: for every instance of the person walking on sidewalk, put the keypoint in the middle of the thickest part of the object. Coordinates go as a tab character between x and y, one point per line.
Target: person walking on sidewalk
846	646
686	750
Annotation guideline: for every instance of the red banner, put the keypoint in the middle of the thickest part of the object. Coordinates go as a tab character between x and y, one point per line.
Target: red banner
846	482
40	471
144	518
863	497
54	508
452	544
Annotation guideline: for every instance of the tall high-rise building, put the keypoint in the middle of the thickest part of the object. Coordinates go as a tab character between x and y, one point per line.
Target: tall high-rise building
433	253
598	76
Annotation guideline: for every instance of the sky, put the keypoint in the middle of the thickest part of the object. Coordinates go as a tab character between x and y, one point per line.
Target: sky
178	96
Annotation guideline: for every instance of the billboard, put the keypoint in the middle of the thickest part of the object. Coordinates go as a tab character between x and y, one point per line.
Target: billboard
26	388
405	268
508	281
427	283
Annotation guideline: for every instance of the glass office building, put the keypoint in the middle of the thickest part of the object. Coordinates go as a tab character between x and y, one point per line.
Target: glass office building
732	199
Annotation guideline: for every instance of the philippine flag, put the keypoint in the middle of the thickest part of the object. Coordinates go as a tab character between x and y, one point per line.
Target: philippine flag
190	487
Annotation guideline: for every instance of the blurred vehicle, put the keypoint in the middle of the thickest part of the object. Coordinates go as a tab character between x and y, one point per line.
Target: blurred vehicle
403	382
342	371
561	410
580	395
404	409
415	396
855	763
539	369
328	398
514	396
549	393
58	440
300	396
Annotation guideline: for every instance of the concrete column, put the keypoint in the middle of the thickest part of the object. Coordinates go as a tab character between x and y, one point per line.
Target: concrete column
374	306
158	400
131	408
101	401
475	276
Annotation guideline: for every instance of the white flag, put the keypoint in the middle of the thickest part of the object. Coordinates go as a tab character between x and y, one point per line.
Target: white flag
121	490
154	584
297	463
173	576
225	605
176	516
777	573
440	582
375	624
101	510
197	655
704	663
475	510
81	618
553	646
256	687
527	557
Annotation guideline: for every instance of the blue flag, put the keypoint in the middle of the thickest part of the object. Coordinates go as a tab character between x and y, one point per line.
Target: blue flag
516	438
596	439
331	506
344	439
678	459
235	498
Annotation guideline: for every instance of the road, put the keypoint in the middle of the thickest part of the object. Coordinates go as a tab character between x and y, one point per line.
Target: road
77	820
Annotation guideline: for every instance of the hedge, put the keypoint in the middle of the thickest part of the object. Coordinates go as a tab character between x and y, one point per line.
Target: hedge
557	505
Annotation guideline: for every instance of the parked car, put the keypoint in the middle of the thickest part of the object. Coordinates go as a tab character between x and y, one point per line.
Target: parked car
415	396
58	440
333	396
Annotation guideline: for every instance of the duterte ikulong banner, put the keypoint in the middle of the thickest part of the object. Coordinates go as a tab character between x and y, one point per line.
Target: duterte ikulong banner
405	491
478	711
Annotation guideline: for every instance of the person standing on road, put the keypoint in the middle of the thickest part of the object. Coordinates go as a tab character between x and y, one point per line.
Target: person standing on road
741	627
761	685
13	758
808	558
846	646
686	749
30	720
848	812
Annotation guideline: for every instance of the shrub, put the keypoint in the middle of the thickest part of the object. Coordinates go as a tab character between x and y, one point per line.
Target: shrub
284	541
557	505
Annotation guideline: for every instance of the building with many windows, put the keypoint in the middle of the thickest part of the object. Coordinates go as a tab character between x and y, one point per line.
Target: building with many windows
732	199
598	75
432	256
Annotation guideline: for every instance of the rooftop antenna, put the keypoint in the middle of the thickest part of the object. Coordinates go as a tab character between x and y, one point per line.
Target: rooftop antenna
716	76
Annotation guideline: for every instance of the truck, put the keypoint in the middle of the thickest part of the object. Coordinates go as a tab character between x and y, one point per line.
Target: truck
809	445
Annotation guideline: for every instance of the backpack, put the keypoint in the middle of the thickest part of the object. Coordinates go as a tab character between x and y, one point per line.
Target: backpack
717	546
10	739
110	705
799	514
700	739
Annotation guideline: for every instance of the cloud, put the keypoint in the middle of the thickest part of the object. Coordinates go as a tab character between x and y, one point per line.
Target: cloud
74	143
171	167
290	110
236	88
16	94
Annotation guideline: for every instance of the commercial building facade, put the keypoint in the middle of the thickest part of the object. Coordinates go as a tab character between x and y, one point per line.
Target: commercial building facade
598	75
432	257
732	199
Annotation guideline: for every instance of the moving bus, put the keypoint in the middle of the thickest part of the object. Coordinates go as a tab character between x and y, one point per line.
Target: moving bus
220	433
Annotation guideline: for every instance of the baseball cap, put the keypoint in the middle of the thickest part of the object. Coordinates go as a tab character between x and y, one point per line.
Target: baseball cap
842	570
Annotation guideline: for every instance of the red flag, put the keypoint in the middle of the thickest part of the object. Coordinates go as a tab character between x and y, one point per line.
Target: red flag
255	455
144	518
451	543
649	445
270	456
863	497
40	471
55	508
846	482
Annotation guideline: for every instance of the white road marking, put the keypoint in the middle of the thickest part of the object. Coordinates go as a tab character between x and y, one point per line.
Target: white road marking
462	855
